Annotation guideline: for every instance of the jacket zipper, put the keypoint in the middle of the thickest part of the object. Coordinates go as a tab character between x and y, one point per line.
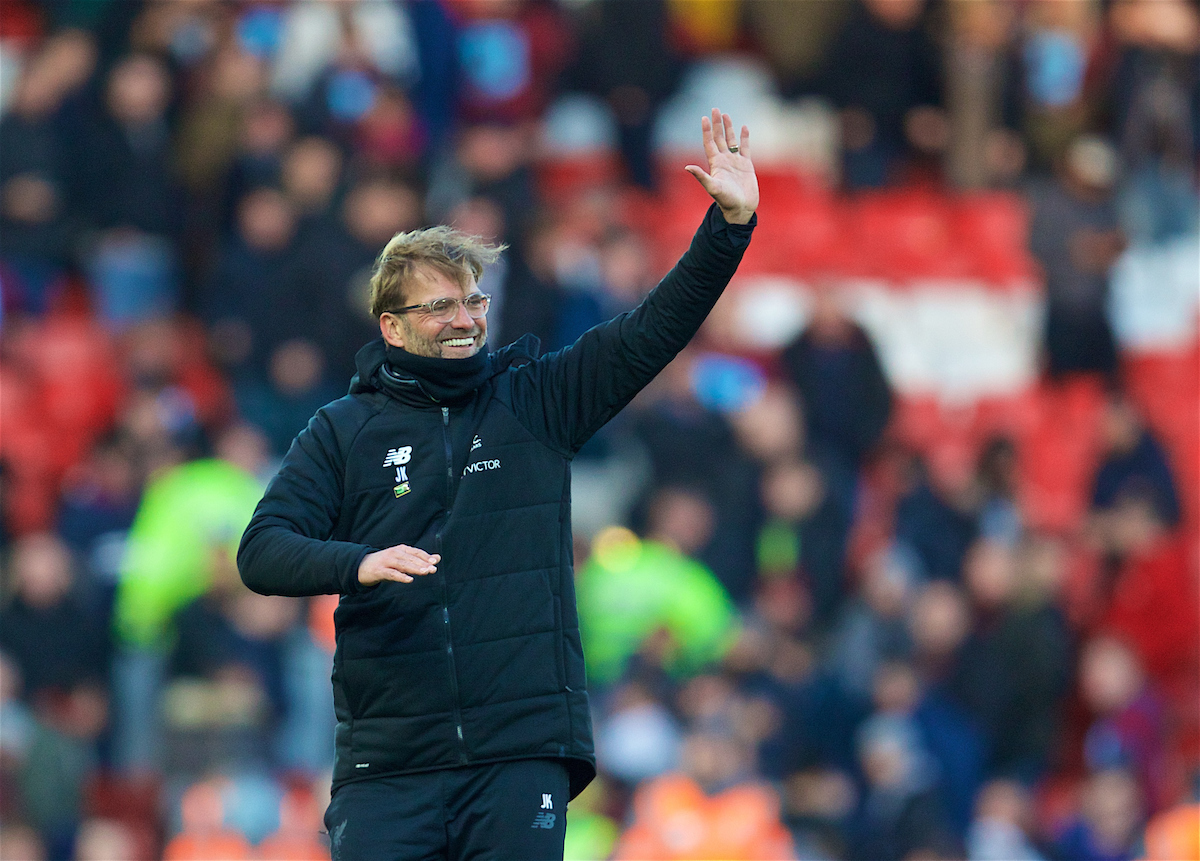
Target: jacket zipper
458	727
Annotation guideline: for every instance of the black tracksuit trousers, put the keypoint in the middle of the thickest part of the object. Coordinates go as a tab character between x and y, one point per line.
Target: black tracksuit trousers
505	811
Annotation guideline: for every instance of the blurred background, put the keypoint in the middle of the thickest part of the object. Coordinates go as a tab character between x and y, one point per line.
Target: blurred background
897	561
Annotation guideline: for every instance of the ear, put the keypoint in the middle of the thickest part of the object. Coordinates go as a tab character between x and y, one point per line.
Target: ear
392	329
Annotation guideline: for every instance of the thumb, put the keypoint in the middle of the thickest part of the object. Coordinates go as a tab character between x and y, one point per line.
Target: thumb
703	178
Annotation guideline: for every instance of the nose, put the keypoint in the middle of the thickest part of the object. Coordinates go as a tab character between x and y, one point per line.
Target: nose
462	320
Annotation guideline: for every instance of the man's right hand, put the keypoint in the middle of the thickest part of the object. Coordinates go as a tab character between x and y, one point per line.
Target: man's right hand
397	563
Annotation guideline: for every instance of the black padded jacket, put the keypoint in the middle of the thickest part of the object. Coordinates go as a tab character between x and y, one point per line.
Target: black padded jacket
481	661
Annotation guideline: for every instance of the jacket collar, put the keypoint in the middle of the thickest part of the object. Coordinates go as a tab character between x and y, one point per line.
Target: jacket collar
423	381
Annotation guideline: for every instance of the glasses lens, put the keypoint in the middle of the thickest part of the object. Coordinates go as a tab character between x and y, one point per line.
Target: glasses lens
443	310
477	304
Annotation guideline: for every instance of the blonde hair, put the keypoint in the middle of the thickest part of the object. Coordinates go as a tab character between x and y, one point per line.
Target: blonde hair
455	254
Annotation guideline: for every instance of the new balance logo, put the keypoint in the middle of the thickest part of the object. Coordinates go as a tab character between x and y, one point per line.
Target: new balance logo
398	456
544	820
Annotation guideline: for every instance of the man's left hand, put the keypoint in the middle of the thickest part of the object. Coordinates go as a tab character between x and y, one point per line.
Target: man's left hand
730	178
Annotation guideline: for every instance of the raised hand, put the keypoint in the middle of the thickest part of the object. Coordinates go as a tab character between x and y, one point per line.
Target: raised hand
397	563
730	179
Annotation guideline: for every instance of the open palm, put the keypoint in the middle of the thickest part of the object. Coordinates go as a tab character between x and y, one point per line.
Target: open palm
730	179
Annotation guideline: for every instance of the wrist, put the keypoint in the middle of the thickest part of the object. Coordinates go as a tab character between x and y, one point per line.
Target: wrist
739	215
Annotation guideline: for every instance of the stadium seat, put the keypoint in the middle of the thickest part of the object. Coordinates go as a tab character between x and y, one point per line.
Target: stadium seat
1057	457
563	177
993	227
906	235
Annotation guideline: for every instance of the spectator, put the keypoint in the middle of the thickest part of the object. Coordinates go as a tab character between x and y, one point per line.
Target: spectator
1153	594
349	46
266	128
836	370
1174	833
981	151
232	635
680	611
1109	820
1157	117
954	741
1134	462
58	646
487	159
845	400
997	486
295	387
1057	58
633	75
1003	823
899	814
132	195
796	40
1075	237
936	517
45	756
509	58
99	501
1014	665
105	840
534	294
250	279
38	176
311	176
884	76
715	494
939	622
1128	731
873	627
640	739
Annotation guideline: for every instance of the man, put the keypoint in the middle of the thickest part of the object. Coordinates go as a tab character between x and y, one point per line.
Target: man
435	498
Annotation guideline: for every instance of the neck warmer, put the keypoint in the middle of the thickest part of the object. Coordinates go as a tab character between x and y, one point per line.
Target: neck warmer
442	380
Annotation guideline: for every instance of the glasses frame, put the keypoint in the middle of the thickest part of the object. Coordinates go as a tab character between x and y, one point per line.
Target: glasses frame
427	307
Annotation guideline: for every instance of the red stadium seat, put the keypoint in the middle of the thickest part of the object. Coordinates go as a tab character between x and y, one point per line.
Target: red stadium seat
993	227
560	178
1057	457
907	234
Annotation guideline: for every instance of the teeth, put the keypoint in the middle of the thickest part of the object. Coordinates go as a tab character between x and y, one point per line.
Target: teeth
459	342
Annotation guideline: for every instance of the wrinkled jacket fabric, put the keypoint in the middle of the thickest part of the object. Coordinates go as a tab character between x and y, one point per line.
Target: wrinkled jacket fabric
481	661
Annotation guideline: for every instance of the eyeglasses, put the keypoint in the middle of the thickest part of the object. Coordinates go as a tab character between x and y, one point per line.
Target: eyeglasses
445	310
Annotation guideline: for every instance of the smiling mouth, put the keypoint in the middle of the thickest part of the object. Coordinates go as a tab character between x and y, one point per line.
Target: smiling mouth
458	342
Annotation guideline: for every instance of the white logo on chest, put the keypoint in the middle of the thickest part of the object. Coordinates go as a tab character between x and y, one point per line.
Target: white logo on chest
482	466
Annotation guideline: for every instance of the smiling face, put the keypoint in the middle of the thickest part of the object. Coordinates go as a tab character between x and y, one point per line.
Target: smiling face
418	333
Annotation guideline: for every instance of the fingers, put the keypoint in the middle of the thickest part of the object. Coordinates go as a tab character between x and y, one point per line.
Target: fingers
710	143
727	129
719	135
744	142
400	563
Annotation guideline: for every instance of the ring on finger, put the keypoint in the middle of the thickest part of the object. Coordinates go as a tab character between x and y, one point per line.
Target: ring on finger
733	148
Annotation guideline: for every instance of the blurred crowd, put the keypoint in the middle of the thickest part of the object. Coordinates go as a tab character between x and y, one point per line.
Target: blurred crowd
811	632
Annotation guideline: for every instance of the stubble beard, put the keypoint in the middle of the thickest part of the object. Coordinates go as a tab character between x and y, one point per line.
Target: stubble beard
419	345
